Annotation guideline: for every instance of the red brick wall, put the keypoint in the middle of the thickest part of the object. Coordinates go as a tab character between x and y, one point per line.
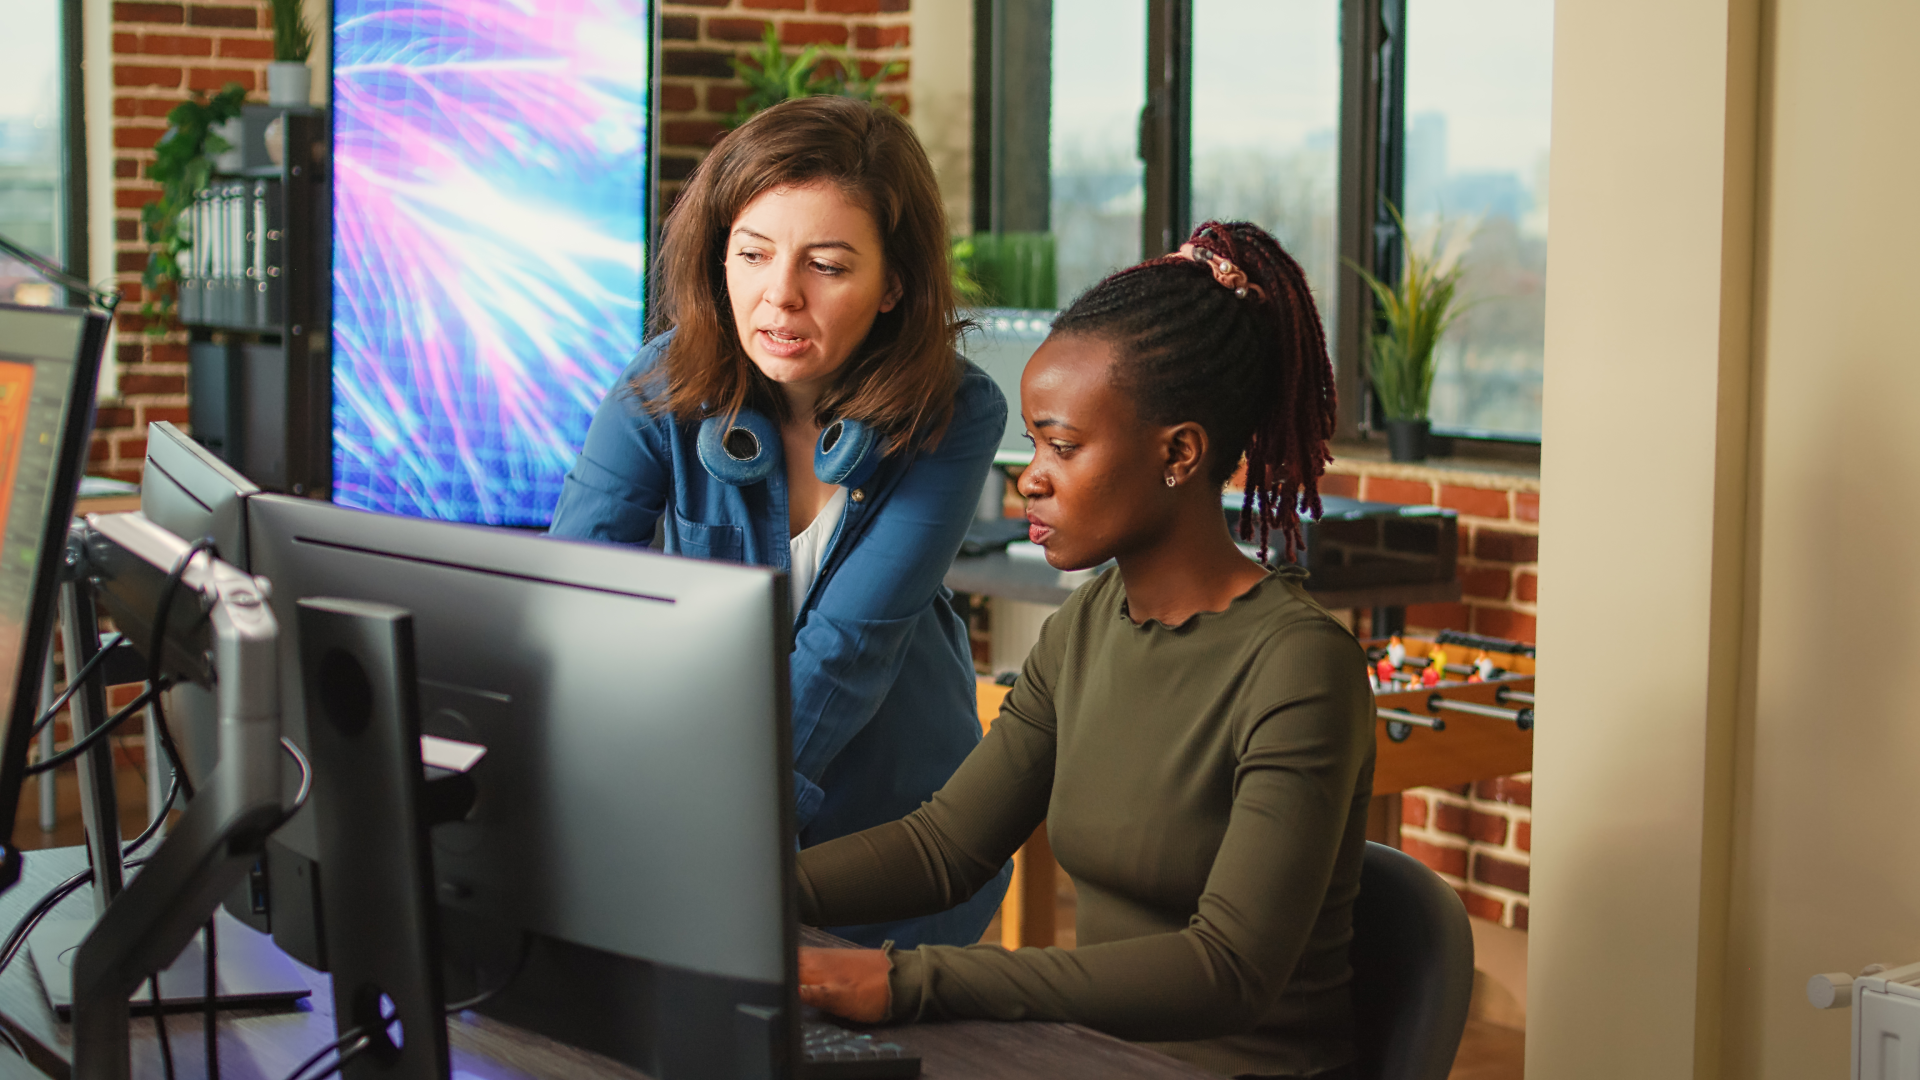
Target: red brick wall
698	91
1499	540
164	50
1478	836
161	52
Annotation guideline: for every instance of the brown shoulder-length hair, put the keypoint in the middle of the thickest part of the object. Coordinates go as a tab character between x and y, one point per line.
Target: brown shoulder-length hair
904	377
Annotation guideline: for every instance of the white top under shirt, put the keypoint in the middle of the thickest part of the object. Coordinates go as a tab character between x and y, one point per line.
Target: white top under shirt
811	546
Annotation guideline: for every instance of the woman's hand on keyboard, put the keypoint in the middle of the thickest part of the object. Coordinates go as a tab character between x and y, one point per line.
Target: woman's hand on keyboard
847	982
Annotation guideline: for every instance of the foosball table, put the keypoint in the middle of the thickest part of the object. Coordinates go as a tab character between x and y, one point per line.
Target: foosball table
1449	710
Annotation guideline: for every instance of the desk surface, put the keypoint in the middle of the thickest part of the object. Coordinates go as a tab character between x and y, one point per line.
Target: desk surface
258	1044
1032	580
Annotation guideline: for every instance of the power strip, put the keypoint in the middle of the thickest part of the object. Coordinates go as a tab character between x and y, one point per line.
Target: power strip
1886	1018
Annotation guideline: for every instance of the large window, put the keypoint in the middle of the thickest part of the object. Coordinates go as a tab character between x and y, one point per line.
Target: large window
1478	108
1099	87
1266	125
1307	117
32	207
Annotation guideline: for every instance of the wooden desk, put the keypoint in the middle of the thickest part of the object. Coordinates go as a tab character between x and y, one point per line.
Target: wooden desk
1031	579
257	1044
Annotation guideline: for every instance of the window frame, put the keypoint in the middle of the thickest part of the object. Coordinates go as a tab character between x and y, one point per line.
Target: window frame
1372	166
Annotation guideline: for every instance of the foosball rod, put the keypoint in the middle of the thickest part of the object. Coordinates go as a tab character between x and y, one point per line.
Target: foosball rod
1400	723
1523	718
1524	697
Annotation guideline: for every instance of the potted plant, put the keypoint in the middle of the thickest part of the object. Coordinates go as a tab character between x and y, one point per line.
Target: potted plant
289	81
182	164
1413	316
772	76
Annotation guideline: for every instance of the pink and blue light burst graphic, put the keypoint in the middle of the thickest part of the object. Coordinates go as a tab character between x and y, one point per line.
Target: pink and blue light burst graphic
489	245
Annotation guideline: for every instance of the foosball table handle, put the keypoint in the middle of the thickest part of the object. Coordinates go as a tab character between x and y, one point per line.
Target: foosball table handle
1523	718
1401	723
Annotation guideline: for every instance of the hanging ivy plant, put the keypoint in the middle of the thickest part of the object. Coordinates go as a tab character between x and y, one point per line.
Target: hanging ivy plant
183	163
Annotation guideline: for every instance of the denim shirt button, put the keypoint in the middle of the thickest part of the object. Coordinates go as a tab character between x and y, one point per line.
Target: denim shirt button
858	495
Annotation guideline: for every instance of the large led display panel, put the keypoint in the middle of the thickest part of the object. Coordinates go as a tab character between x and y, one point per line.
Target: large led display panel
489	243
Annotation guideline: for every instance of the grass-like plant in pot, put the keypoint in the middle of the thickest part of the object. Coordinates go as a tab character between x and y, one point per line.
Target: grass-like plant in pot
289	80
1413	316
772	76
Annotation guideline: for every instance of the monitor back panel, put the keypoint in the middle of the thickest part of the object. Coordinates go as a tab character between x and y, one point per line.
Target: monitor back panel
1002	343
635	798
189	492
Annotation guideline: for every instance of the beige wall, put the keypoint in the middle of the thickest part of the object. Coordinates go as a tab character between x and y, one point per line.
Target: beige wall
1722	806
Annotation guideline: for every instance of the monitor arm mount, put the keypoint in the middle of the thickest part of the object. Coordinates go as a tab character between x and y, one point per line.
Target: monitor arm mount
219	633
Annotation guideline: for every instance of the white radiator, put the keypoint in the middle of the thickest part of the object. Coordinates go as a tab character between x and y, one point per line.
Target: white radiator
1886	1018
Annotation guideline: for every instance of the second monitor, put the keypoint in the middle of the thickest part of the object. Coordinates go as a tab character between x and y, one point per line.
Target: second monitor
634	806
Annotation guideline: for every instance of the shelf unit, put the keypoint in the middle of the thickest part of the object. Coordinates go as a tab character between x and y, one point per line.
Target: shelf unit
255	303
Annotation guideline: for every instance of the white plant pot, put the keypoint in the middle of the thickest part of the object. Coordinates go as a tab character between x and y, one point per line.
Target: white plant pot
288	83
233	158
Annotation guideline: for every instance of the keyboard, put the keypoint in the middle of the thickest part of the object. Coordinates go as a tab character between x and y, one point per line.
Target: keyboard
828	1052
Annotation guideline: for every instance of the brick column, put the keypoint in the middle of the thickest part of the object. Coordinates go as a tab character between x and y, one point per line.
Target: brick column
698	91
161	52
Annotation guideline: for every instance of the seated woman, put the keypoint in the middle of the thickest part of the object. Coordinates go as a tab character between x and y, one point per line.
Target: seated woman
807	412
1195	731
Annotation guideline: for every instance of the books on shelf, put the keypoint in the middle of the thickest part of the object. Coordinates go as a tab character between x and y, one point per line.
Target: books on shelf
233	274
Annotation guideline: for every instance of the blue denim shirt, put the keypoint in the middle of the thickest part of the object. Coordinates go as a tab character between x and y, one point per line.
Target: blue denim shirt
882	677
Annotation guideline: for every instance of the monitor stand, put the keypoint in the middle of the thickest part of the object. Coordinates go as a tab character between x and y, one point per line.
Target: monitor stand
252	972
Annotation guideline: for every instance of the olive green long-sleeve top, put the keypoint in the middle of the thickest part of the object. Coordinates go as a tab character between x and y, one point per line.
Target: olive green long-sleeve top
1206	788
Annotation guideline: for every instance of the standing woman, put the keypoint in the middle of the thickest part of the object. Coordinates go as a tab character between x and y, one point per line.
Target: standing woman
806	410
1195	731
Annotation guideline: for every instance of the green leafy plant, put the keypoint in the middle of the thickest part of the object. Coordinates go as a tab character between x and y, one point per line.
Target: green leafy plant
1414	315
966	287
772	77
1012	269
183	163
292	37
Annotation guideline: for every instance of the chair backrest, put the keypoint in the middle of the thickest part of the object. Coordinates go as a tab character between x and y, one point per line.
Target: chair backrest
1412	969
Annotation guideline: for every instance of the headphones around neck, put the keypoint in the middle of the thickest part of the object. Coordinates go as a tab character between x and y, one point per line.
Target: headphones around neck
746	451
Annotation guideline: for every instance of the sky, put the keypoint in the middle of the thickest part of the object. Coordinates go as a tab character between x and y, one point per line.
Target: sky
1267	73
29	57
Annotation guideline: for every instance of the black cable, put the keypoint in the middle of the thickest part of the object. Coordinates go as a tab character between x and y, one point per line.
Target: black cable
93	737
153	827
159	641
347	1055
7	1034
306	782
112	642
208	1009
352	1034
160	1025
17	938
526	949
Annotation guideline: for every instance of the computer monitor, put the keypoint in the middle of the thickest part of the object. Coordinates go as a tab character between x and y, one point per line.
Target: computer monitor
186	489
1005	341
634	808
49	359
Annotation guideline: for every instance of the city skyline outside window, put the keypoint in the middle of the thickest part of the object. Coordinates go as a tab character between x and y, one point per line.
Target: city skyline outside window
1266	126
1479	111
30	146
1098	181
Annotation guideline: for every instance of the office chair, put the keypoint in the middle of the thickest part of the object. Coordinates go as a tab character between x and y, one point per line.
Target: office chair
1412	960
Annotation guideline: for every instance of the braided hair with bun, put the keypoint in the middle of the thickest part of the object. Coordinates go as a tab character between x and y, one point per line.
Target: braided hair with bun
1247	364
